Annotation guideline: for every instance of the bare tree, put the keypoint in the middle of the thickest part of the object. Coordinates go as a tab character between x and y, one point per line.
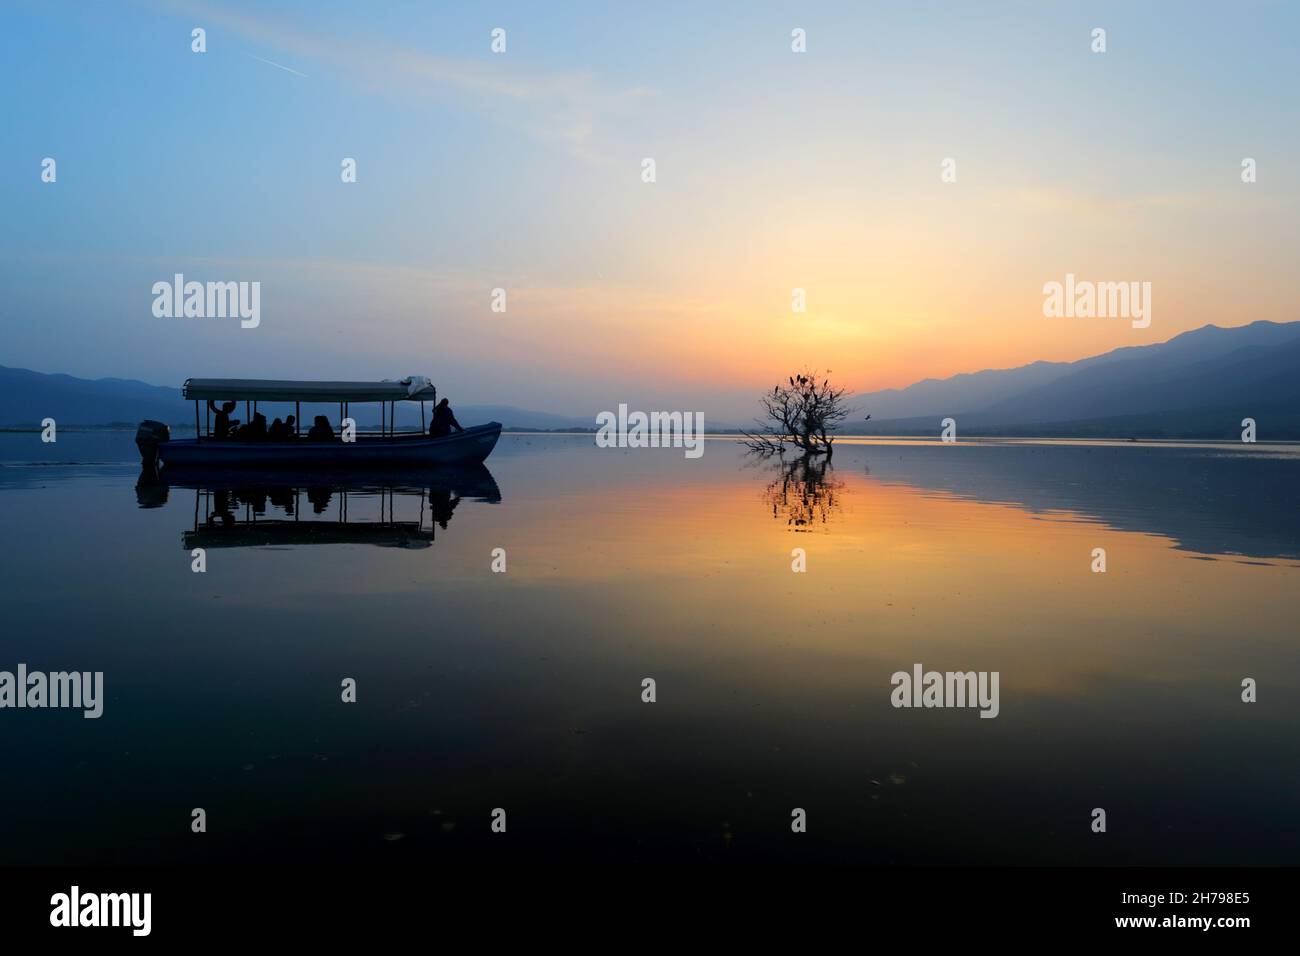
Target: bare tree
804	412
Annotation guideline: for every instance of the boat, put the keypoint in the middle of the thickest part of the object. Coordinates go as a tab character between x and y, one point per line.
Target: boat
388	447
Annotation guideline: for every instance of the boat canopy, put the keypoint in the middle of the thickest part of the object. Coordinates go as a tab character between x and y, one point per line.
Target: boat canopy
415	388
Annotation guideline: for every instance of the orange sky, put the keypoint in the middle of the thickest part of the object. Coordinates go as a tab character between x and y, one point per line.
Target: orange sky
821	171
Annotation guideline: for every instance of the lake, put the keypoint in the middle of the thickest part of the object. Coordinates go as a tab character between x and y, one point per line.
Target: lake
523	690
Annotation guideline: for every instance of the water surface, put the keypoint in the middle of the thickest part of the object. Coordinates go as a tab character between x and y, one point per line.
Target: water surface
522	689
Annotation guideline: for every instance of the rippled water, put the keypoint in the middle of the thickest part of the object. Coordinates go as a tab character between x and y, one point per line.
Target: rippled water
522	690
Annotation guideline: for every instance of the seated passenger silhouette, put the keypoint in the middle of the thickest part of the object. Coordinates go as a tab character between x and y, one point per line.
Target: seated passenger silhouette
254	430
280	431
443	421
321	430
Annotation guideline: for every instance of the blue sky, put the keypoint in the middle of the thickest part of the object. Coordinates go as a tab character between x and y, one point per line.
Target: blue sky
522	171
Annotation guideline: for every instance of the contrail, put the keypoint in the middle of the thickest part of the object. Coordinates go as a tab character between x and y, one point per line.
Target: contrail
278	66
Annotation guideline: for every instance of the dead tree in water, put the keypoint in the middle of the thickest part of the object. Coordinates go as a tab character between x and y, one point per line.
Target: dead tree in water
803	413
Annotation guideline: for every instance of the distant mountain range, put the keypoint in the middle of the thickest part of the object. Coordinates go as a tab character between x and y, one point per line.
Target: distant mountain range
27	397
1200	384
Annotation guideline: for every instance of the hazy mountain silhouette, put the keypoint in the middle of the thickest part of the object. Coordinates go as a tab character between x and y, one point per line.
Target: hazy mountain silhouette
27	397
1199	384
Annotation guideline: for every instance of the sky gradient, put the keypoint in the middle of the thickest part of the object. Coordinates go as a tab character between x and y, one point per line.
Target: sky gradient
522	170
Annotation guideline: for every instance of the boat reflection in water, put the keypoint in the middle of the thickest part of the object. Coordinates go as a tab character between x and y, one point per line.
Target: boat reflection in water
400	509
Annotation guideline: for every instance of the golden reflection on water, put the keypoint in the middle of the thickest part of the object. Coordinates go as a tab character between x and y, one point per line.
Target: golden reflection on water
897	574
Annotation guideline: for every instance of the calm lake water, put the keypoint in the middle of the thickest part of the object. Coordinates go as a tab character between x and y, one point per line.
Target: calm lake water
522	690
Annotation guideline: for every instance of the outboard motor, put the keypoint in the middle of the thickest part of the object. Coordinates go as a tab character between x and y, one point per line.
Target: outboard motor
148	437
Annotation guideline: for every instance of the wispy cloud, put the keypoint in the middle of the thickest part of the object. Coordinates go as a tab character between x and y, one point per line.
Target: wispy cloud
573	110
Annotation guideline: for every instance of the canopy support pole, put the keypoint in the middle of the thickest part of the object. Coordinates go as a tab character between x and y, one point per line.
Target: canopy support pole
197	433
297	418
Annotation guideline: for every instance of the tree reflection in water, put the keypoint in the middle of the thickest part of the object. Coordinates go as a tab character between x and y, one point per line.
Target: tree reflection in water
804	492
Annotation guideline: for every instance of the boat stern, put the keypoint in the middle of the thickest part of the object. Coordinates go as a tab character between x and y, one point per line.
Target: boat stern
149	437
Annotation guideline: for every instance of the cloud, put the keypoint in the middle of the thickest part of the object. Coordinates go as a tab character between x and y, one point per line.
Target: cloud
572	110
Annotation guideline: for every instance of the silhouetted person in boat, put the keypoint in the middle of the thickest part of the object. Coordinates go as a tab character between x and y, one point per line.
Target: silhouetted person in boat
279	431
221	427
443	421
321	431
254	430
290	428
